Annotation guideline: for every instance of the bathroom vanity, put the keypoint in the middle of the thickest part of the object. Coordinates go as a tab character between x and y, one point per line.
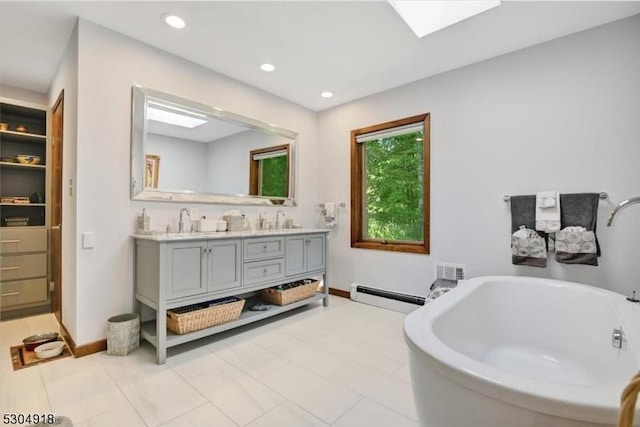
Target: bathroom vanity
175	270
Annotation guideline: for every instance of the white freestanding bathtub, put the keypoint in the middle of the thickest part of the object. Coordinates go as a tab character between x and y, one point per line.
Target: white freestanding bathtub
520	351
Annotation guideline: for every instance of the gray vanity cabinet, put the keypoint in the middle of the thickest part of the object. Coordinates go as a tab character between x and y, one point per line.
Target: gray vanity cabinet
203	266
305	253
176	271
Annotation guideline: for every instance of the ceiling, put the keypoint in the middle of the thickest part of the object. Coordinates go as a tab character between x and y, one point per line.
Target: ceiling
352	49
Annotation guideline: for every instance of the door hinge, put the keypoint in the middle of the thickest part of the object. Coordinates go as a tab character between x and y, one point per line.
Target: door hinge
52	286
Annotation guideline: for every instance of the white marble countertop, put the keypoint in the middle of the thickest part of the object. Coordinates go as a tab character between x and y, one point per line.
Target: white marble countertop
170	237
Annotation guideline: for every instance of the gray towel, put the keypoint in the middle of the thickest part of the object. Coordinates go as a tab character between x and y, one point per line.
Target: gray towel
523	212
579	210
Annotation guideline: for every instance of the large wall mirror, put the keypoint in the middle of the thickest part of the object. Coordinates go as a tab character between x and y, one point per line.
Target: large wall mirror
184	151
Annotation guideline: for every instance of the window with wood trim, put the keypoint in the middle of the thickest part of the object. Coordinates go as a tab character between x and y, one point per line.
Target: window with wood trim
269	171
390	167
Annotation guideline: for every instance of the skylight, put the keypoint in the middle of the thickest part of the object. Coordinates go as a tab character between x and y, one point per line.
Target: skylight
426	17
177	117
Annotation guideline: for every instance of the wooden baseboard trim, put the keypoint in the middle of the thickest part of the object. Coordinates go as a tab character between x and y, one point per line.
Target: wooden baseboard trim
67	337
339	293
93	347
83	350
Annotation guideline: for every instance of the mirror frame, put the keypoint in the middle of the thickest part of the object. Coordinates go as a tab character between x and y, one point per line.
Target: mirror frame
139	98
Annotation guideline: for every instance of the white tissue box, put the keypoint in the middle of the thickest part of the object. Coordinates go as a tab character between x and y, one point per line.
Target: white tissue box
203	225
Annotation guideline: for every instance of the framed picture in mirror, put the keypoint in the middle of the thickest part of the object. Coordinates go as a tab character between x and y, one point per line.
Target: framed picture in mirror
152	171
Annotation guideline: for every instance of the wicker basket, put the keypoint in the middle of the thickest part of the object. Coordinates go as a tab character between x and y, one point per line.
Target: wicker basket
199	316
287	296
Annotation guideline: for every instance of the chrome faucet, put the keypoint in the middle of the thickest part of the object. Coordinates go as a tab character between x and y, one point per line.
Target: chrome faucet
181	223
621	206
278	219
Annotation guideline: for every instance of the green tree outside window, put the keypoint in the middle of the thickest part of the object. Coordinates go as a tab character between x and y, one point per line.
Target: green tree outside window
273	177
394	190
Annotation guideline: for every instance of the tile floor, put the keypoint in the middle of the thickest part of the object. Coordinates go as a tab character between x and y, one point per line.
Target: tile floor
342	366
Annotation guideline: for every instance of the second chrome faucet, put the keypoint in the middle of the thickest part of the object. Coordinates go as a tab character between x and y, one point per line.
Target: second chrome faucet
181	222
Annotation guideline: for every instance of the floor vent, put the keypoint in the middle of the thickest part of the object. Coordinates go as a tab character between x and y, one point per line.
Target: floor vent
450	271
384	298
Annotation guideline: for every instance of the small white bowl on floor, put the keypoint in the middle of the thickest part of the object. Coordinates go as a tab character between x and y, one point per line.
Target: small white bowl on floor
50	349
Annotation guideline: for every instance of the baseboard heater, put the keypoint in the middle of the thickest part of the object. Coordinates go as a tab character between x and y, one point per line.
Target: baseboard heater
385	298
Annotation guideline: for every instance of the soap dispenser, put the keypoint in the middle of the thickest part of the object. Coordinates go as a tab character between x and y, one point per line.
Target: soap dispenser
143	222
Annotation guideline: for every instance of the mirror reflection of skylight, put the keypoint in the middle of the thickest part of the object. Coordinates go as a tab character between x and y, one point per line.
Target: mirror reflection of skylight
174	116
426	17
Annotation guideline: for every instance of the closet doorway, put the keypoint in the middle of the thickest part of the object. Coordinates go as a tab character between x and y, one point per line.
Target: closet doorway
55	252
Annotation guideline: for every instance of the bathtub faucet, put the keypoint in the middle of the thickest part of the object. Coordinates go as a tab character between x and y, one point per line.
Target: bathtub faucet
618	338
621	206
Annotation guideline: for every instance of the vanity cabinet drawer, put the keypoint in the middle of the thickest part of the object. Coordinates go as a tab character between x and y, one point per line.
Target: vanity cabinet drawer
20	240
23	266
23	292
263	248
263	271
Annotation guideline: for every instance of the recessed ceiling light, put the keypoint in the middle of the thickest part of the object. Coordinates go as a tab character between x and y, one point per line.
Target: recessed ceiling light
174	21
326	94
426	17
267	67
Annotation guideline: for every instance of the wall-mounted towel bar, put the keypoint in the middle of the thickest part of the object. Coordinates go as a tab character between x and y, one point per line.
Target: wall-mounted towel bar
603	196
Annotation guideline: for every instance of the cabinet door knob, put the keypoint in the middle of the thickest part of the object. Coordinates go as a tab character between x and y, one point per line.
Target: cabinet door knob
264	272
264	248
9	268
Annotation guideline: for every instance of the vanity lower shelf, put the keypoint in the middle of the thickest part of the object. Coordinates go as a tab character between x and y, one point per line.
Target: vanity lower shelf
149	332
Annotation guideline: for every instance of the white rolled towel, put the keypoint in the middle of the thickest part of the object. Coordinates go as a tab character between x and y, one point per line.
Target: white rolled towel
548	211
330	214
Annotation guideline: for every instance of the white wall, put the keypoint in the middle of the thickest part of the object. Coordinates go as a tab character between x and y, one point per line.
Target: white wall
559	116
23	94
66	78
108	65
